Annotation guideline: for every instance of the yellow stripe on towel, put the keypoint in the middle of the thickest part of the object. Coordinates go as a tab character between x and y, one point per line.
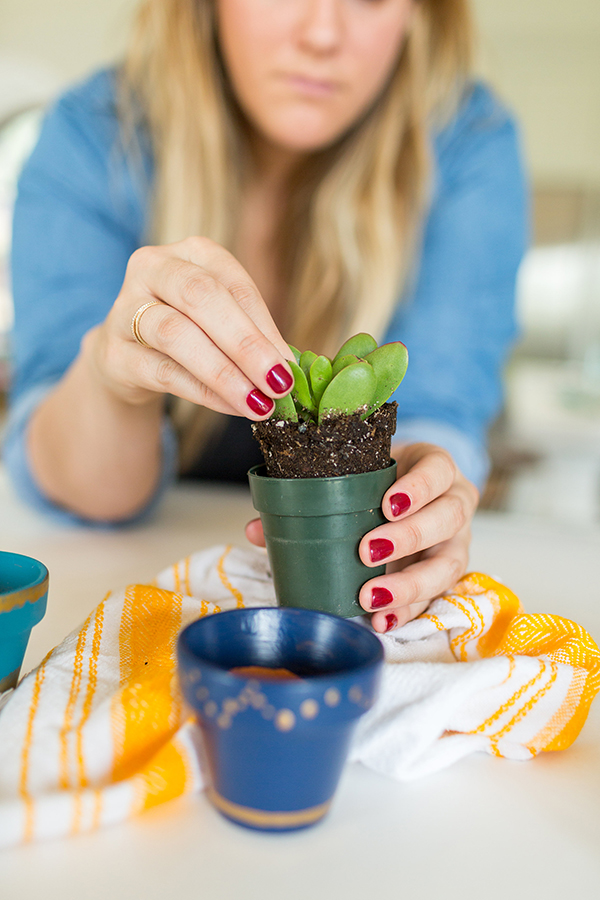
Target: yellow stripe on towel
505	606
569	719
146	711
165	777
66	730
90	691
225	580
188	586
566	642
26	750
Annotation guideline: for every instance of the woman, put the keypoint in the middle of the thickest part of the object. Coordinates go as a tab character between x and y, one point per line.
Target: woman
305	169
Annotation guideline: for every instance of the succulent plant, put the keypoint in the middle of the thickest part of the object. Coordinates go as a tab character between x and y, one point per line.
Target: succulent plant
360	378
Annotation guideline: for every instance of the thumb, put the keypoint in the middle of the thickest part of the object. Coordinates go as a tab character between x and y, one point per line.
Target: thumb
254	533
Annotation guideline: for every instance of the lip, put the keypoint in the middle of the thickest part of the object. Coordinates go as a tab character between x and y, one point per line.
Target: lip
314	87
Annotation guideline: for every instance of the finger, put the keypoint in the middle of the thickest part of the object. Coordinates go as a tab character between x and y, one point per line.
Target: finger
430	472
177	338
407	593
149	370
201	296
436	522
254	533
390	621
208	254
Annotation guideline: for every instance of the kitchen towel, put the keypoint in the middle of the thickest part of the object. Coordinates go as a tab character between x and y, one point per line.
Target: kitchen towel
98	731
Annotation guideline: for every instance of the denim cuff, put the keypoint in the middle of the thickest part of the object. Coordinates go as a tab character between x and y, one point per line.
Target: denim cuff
470	457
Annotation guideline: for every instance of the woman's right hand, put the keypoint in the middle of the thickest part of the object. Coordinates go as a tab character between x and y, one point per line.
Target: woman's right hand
212	338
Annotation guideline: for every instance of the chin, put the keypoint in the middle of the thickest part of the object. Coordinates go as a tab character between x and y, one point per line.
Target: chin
307	143
304	135
306	146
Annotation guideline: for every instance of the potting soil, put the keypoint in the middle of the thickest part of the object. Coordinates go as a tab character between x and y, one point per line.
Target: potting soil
344	445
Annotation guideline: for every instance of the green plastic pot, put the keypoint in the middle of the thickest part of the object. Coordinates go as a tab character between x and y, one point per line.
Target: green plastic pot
312	528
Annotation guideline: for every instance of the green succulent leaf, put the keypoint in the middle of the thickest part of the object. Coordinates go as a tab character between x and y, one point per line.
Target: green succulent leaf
301	391
389	363
285	409
349	391
320	375
359	345
361	378
295	352
306	360
341	362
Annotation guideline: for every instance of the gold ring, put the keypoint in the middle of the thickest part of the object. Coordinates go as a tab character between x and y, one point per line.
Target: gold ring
135	322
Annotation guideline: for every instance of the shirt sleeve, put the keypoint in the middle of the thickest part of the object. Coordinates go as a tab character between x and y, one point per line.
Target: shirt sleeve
79	215
457	318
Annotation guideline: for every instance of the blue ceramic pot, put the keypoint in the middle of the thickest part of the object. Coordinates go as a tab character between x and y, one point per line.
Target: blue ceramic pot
274	750
23	596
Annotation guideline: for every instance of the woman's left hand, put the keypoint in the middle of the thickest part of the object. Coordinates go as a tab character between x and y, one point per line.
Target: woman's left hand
425	540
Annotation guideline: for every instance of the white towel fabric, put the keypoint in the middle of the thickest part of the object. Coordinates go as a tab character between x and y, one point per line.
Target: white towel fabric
98	732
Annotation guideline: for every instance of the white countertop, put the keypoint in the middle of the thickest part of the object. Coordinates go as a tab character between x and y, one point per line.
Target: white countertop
483	828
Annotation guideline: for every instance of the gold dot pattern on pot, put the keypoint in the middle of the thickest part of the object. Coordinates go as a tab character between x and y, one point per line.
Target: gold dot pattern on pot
285	720
332	697
309	709
252	697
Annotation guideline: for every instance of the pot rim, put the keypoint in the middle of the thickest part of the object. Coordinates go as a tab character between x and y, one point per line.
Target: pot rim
256	473
336	495
225	677
33	589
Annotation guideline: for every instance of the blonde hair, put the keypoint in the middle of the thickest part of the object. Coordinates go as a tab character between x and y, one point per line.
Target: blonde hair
354	210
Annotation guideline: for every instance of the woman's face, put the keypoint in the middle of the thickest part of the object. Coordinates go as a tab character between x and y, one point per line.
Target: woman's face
304	71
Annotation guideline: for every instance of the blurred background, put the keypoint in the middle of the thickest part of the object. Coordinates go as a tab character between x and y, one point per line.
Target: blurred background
543	57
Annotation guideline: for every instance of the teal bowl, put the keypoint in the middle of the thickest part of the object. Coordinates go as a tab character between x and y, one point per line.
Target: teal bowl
23	598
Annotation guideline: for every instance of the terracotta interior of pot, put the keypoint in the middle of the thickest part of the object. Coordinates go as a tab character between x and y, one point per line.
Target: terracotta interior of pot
306	643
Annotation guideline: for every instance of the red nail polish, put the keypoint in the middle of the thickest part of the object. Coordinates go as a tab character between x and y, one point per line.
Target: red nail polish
380	549
399	503
390	621
259	403
380	596
279	379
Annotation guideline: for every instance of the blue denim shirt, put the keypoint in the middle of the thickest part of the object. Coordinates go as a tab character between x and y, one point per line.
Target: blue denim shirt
80	214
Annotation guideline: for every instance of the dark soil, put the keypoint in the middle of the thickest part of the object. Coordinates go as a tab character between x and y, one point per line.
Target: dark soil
344	445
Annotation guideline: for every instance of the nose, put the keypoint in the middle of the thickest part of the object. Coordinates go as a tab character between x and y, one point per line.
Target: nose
321	26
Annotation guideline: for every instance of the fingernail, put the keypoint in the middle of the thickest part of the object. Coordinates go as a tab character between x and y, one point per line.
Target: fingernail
380	549
390	621
279	379
399	503
259	403
380	596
